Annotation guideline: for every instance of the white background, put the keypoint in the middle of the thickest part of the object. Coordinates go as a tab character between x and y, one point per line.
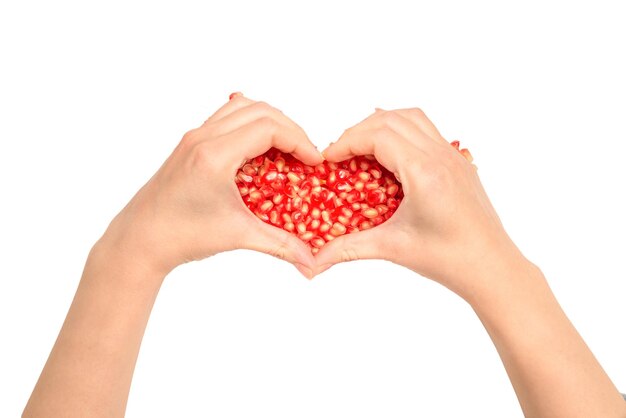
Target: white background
94	97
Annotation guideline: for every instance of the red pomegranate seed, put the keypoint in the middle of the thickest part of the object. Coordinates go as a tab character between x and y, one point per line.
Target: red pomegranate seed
366	225
306	236
319	203
370	213
317	242
266	206
338	229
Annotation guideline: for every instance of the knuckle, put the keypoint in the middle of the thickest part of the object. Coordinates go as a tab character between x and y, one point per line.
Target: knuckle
262	107
437	176
189	136
390	118
417	113
348	254
281	251
266	124
203	158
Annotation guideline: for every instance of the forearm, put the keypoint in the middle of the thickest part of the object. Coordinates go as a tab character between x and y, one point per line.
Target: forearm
552	370
90	368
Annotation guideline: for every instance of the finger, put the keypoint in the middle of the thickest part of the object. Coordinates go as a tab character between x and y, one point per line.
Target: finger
404	126
361	245
260	135
419	118
389	147
281	244
236	102
252	112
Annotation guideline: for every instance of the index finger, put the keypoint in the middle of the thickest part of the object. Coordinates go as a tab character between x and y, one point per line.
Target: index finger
258	136
389	147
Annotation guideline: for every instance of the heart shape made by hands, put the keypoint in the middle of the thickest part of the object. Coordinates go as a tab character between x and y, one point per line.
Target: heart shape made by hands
320	203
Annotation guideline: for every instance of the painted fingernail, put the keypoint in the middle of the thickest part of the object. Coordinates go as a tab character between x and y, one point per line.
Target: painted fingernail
235	94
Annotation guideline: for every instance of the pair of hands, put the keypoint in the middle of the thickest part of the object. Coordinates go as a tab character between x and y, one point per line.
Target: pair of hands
444	229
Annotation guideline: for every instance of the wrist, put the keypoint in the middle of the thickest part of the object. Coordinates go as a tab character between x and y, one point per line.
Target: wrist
129	262
132	240
511	285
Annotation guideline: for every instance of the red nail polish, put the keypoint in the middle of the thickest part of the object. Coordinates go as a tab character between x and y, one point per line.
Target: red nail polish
235	94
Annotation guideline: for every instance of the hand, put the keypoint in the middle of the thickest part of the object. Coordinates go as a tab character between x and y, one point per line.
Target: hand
191	209
445	228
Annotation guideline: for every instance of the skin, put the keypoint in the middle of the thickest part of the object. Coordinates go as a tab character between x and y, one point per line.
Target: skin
458	240
190	209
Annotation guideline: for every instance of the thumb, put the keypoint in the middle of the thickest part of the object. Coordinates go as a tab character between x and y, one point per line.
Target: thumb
372	243
280	244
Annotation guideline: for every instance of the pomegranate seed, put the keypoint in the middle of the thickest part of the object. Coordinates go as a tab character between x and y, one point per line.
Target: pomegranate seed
321	170
376	197
244	178
325	227
293	178
317	242
370	213
319	203
274	218
278	198
267	191
372	185
262	216
249	169
306	236
297	216
376	173
338	229
382	209
280	164
353	196
258	161
392	189
266	206
256	196
366	225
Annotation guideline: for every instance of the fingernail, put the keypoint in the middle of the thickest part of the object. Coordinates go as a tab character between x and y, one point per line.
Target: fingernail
378	109
235	94
306	272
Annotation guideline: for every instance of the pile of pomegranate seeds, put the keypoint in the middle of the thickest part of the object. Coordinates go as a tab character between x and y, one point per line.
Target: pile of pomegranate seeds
319	203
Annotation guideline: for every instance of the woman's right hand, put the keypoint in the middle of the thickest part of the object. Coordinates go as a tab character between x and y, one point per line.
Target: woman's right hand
445	228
